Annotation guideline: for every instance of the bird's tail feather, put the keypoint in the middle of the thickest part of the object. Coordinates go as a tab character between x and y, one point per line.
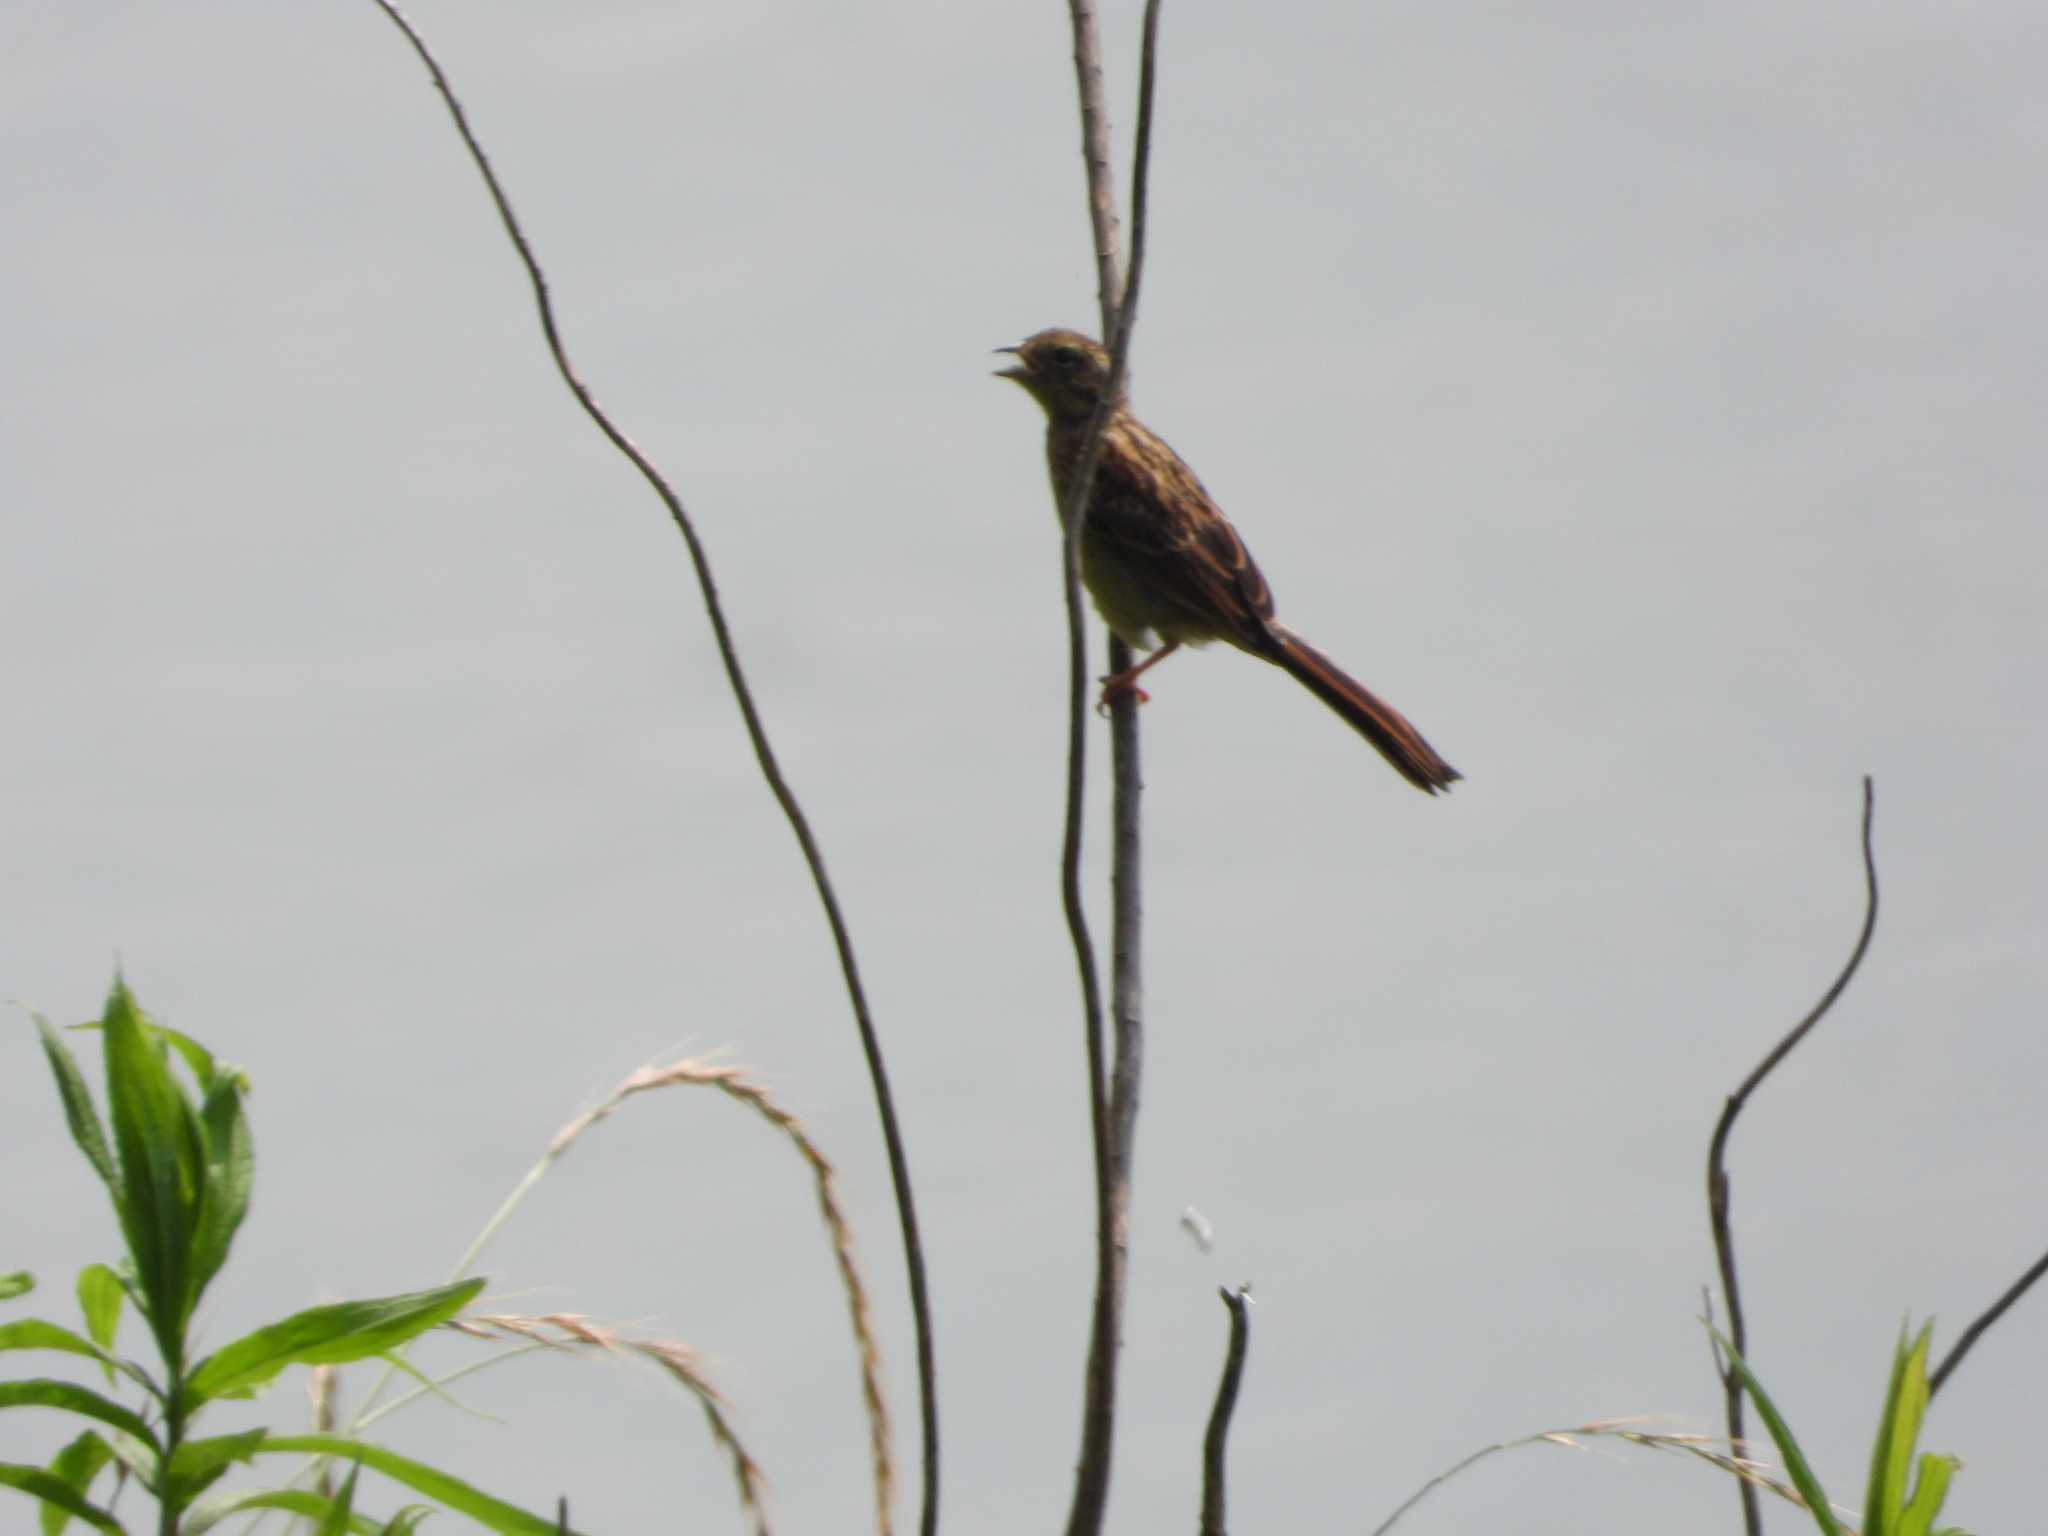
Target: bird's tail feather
1379	723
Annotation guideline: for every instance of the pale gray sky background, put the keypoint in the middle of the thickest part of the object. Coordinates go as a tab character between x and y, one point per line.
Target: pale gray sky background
1646	400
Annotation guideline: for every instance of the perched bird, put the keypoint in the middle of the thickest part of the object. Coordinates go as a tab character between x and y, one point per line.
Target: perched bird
1164	565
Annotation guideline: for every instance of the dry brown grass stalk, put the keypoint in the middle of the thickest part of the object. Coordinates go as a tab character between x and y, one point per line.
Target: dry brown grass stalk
735	1085
570	1331
1712	1449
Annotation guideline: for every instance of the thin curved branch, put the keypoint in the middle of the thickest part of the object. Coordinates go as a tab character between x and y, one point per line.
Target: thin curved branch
1112	1104
1991	1314
1218	1437
1717	1172
764	755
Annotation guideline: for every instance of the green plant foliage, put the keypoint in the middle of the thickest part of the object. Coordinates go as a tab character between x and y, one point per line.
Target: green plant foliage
75	1466
1889	1508
177	1161
330	1335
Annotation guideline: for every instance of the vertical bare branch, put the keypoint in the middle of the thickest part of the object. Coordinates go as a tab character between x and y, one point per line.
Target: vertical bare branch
1113	1103
1717	1172
1214	1442
764	756
1109	274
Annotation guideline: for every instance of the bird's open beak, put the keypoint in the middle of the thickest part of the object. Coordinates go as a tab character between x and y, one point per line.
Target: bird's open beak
1020	373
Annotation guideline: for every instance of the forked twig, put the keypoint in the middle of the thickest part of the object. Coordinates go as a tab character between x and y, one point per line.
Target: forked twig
1717	1172
764	755
1112	1103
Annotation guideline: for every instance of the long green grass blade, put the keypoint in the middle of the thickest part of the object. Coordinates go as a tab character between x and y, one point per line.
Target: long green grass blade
463	1498
1788	1448
216	1508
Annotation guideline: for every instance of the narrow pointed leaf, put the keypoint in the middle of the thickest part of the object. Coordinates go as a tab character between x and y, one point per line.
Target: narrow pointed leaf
156	1140
1928	1494
53	1490
20	1283
304	1503
230	1171
1781	1435
34	1333
196	1464
1898	1433
335	1521
493	1514
79	1113
76	1466
100	1295
329	1335
197	1058
73	1398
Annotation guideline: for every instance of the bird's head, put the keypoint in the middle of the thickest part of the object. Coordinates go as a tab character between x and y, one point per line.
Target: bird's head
1064	371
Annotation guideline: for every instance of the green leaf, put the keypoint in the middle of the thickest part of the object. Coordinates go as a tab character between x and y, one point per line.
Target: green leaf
53	1490
76	1466
1928	1493
34	1333
1781	1435
230	1171
1898	1430
78	1110
72	1398
457	1495
329	1335
20	1283
196	1464
156	1140
407	1520
335	1522
100	1294
292	1501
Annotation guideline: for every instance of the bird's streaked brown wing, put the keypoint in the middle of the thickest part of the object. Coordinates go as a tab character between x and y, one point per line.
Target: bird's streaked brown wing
1152	518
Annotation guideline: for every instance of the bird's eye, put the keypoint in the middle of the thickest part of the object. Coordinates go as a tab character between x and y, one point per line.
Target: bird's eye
1066	359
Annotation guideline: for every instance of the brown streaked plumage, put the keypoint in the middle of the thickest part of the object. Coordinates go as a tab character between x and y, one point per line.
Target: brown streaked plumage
1164	565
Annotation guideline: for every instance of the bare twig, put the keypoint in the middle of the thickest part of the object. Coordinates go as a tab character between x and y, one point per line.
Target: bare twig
764	755
1991	1314
1213	1443
1717	1172
1112	1105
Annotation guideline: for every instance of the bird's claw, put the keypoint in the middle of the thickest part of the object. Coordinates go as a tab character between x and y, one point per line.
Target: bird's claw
1115	687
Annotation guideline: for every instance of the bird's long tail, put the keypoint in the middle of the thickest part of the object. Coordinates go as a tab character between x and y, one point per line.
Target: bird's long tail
1379	723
